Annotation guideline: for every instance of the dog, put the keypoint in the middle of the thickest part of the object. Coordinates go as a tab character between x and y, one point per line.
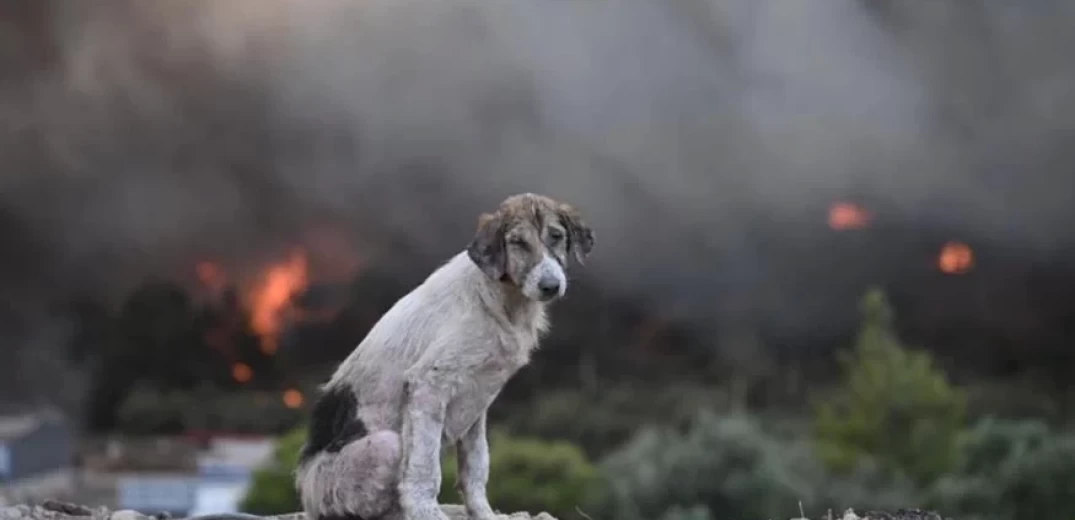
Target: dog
428	370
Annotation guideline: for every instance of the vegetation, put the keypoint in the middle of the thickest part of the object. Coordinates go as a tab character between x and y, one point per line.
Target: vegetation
612	414
272	490
528	474
148	410
895	406
726	465
1011	470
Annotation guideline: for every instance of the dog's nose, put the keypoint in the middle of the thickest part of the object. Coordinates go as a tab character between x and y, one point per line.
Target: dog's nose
549	287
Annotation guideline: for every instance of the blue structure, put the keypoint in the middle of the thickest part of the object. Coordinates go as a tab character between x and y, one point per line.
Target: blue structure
154	493
37	455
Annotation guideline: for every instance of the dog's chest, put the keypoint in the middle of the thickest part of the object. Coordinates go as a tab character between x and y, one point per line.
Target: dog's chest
474	395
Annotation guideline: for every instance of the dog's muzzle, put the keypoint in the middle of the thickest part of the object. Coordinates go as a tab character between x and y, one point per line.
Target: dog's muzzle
546	282
548	287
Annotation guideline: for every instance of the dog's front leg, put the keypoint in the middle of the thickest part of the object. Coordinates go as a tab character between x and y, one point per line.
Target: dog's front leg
420	477
473	452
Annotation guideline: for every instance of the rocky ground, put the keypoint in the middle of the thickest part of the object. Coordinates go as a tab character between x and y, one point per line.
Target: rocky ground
51	510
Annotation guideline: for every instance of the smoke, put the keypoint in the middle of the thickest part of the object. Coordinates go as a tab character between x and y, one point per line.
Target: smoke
147	135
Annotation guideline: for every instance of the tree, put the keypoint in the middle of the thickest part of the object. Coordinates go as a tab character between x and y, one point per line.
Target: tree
894	407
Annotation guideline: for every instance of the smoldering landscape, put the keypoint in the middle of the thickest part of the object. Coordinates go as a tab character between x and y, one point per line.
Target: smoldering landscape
750	168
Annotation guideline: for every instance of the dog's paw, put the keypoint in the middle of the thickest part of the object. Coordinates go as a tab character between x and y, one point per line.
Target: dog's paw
479	509
423	512
483	514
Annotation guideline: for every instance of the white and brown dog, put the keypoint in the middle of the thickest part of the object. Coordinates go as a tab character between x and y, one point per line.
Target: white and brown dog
430	368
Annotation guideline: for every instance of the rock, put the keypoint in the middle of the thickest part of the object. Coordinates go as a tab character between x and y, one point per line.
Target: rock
127	514
67	509
904	514
14	512
55	510
458	512
899	514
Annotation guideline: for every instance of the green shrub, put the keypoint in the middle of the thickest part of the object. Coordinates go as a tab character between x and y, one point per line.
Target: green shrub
726	464
687	513
867	486
603	420
272	489
529	475
895	407
1011	470
731	467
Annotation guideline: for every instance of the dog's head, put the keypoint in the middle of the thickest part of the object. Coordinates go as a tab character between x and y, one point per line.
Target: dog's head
527	241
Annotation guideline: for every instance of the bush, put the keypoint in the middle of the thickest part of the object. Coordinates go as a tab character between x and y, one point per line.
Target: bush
895	407
687	513
272	489
529	475
730	467
1011	470
726	465
601	421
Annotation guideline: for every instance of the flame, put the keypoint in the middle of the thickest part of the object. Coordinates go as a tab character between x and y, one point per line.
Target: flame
846	215
955	258
242	373
292	398
267	297
271	296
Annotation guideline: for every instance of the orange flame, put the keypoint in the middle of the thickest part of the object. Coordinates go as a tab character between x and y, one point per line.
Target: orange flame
955	258
242	373
292	398
846	215
271	298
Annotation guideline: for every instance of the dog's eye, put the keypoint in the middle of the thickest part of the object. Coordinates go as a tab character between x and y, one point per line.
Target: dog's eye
555	235
518	242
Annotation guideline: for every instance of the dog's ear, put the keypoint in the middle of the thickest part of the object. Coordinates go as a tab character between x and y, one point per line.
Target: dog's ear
579	235
487	248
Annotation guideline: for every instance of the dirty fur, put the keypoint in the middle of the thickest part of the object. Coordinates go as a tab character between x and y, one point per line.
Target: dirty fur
430	368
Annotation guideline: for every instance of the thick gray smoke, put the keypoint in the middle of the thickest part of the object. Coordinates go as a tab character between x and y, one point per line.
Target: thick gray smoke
147	135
